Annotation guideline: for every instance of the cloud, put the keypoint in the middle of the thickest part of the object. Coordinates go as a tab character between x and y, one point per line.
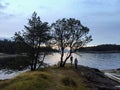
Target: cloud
4	15
43	7
3	5
100	2
102	9
92	2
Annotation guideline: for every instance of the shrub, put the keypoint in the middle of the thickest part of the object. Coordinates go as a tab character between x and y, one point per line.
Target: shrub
67	81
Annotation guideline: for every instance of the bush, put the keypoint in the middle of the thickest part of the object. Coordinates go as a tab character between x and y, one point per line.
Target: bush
67	81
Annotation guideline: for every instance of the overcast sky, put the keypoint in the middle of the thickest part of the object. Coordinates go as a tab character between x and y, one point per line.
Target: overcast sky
102	17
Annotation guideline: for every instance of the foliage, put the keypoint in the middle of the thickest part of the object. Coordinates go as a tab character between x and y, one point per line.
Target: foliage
35	36
7	46
67	81
14	63
103	48
69	33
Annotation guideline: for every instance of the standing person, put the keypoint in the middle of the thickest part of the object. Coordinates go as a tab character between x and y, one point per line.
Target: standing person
71	59
76	62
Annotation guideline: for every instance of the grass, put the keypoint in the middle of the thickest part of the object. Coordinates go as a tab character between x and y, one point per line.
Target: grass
67	81
51	78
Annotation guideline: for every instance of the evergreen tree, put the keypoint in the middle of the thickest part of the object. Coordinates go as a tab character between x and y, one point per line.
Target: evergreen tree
35	35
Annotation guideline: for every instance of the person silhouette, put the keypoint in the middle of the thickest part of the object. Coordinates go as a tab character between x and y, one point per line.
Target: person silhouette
71	59
76	62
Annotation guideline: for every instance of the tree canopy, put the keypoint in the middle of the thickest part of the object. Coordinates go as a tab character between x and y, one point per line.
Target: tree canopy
69	34
66	34
32	38
7	46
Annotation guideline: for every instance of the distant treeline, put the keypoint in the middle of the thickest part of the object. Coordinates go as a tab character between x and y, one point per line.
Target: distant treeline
14	63
101	48
9	47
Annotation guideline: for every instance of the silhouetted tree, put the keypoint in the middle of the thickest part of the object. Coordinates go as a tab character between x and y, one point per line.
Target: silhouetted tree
69	33
35	35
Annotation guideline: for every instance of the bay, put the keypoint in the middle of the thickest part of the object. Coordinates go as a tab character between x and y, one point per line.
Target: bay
102	61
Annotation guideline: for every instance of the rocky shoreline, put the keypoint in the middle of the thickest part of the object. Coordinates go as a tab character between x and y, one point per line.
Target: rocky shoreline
96	79
117	71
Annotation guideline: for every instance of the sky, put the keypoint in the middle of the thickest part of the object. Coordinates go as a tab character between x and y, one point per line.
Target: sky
102	17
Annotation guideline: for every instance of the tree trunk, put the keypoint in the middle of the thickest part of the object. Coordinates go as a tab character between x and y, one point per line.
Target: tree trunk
66	60
31	66
35	63
41	63
62	55
36	58
63	65
32	61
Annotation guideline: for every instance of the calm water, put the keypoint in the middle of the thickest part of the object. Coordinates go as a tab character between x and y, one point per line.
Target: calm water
101	61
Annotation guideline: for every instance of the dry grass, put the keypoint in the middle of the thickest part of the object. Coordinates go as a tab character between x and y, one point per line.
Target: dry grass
52	78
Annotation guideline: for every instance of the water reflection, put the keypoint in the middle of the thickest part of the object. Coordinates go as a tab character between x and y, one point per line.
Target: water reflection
96	60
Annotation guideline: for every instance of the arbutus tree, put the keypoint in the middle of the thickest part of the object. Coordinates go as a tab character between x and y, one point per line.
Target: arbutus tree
69	34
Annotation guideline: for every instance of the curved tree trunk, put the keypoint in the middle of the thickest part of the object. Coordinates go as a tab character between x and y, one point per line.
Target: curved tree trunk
62	55
63	64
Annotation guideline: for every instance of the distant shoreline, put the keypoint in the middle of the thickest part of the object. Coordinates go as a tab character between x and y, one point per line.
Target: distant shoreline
99	51
9	55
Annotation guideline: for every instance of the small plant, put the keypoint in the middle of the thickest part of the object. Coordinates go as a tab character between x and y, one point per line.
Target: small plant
67	81
44	76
